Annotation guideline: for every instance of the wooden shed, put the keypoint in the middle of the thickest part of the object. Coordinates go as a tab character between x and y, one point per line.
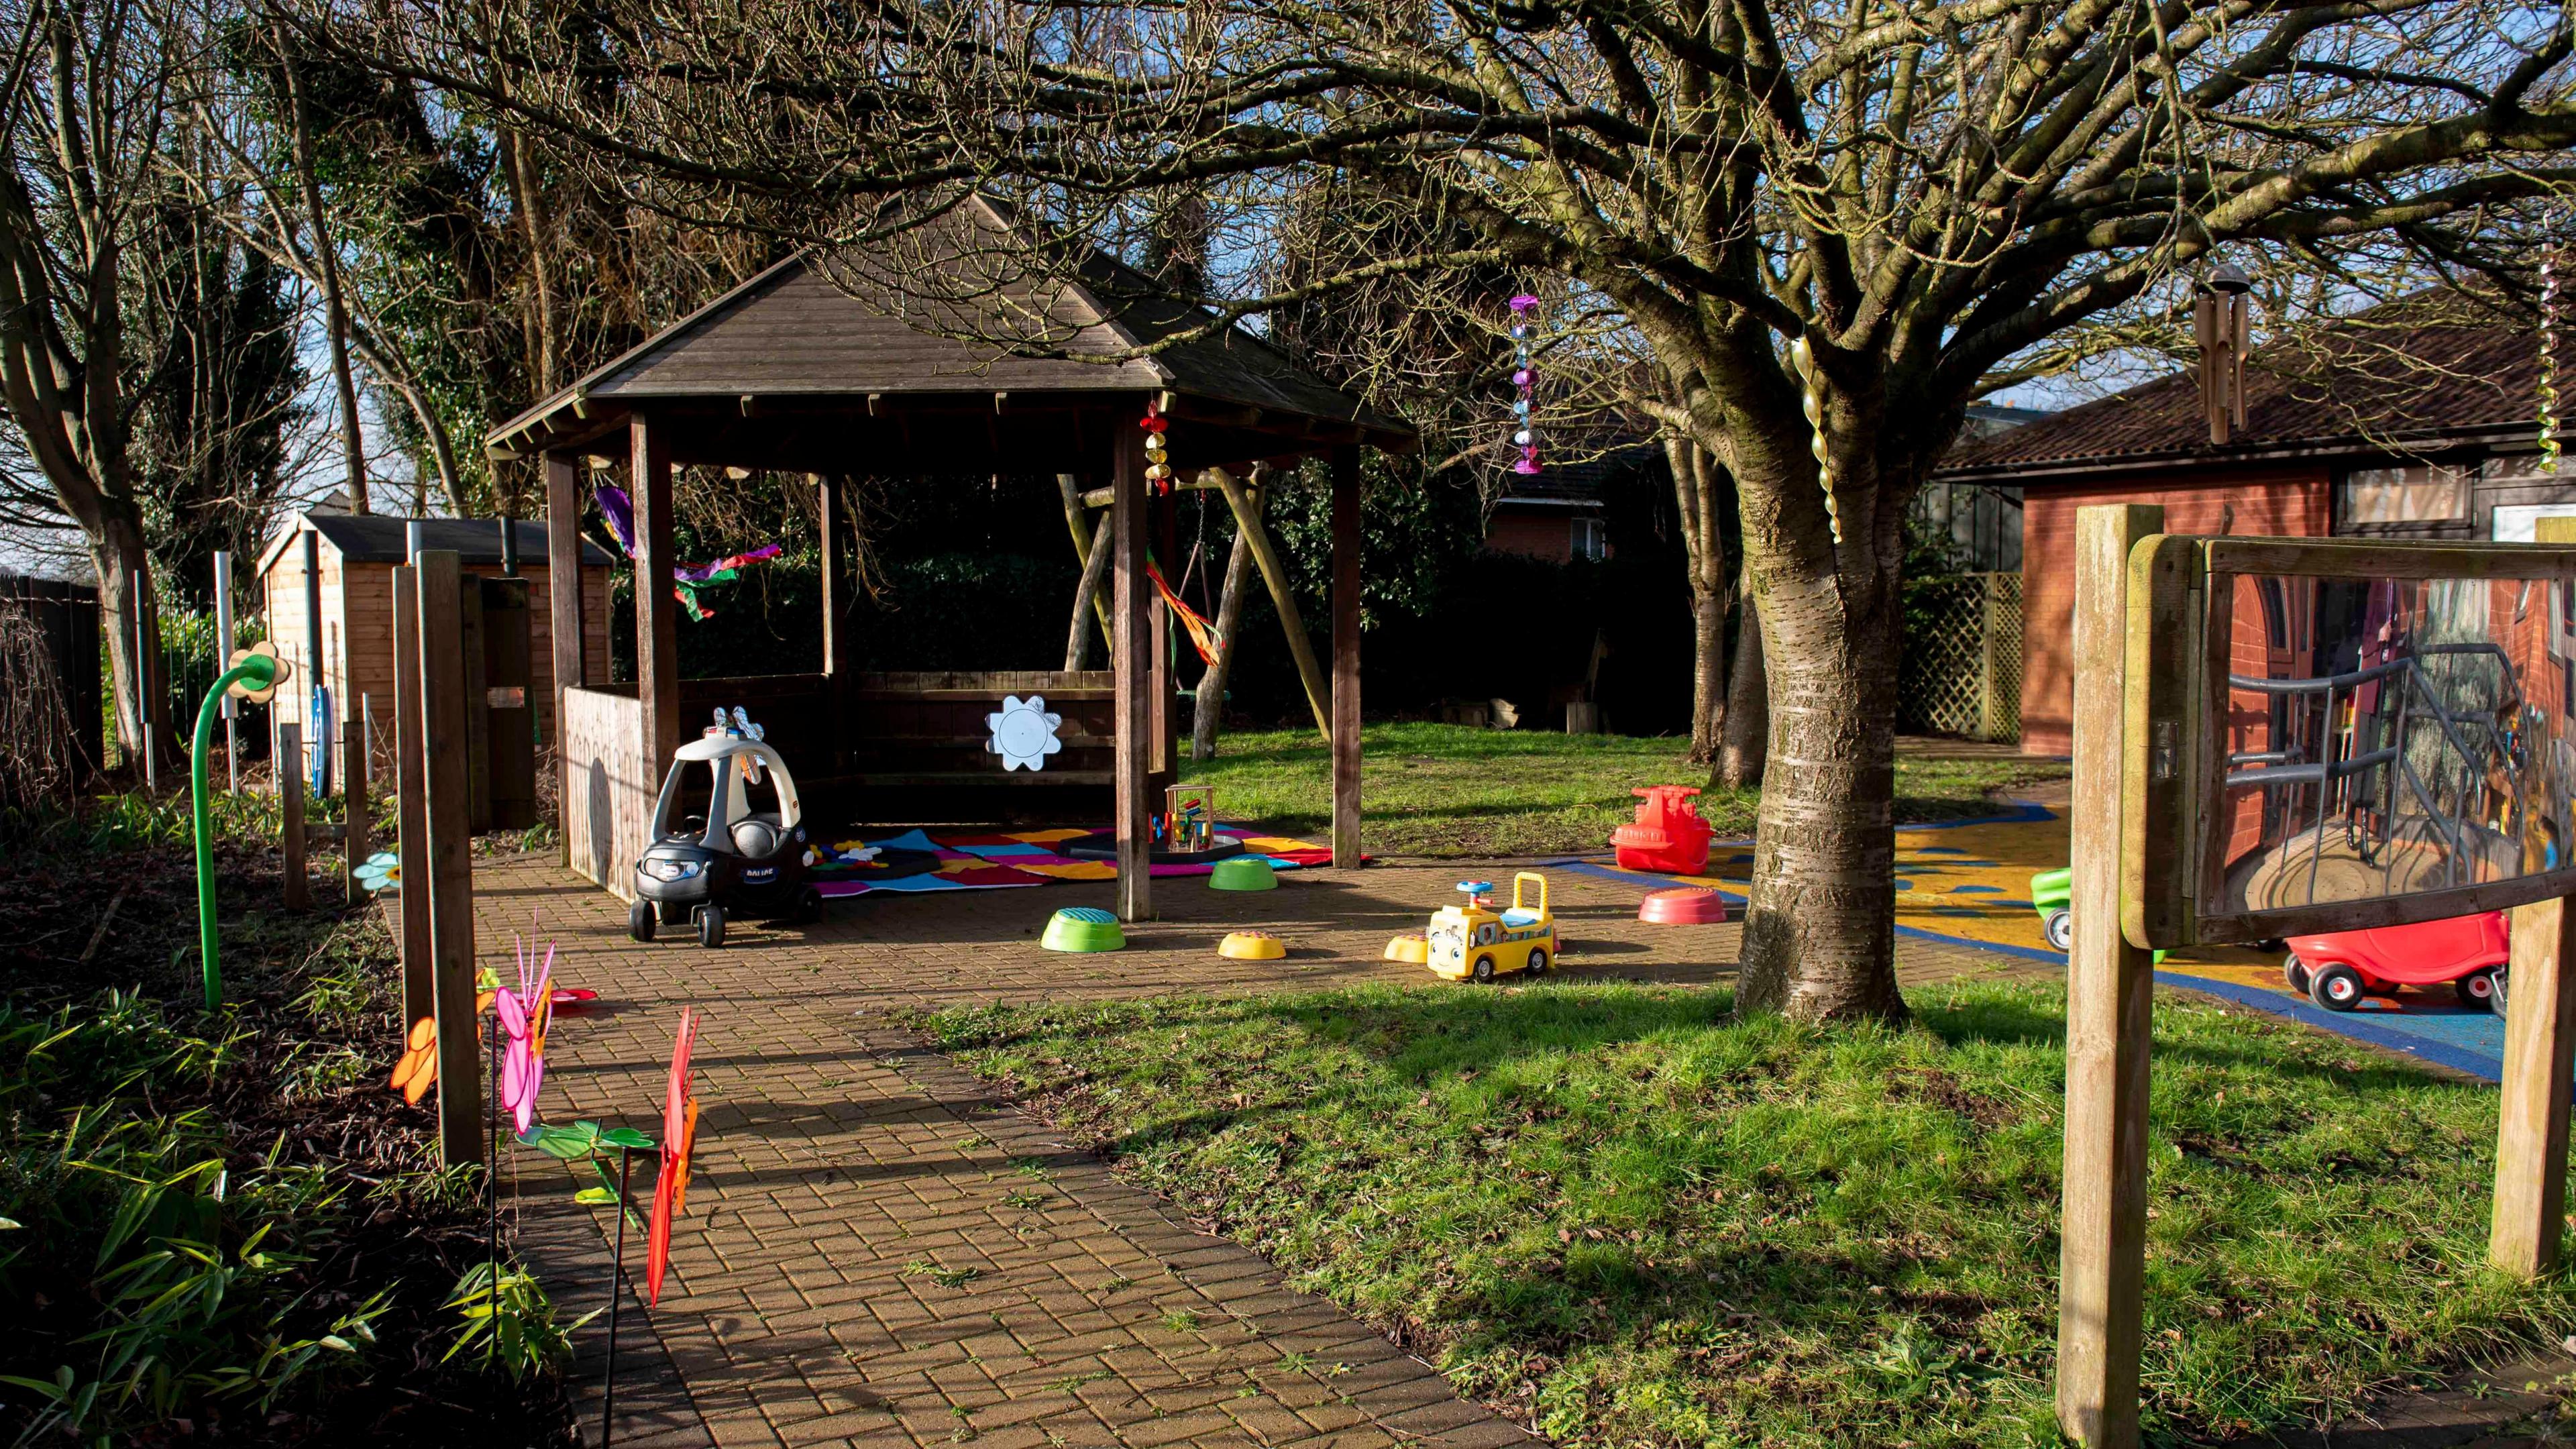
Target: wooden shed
355	556
832	365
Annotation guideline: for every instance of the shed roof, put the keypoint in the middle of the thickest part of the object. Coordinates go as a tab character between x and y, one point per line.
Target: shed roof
381	538
853	323
2421	372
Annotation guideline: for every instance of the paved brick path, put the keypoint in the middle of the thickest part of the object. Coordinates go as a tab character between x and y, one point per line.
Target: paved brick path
877	1252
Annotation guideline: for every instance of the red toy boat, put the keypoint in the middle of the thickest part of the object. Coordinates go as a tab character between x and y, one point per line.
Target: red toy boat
1667	837
2337	969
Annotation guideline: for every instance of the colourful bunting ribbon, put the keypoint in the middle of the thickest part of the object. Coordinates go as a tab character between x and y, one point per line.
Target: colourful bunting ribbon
686	579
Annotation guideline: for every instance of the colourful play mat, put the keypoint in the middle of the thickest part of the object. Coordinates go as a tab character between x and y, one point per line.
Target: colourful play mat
1967	883
919	860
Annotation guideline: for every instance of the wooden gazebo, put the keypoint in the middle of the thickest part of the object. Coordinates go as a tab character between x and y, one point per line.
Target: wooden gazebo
810	367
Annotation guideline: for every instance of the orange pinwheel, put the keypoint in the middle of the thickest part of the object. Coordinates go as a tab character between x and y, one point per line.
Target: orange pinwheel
417	1072
679	1134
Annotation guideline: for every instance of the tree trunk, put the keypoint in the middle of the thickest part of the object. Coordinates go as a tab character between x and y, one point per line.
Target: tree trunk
335	305
1711	698
1702	489
1745	739
1819	939
117	555
1087	600
1208	705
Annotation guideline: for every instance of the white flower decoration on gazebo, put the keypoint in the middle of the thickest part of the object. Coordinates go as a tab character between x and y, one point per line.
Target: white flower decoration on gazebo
1023	733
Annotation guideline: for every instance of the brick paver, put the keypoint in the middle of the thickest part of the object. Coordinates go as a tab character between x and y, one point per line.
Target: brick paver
880	1252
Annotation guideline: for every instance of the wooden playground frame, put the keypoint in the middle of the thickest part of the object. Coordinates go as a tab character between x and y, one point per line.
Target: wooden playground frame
2118	821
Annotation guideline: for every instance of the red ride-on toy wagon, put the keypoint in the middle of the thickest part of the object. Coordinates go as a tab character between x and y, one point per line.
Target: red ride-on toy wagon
2337	969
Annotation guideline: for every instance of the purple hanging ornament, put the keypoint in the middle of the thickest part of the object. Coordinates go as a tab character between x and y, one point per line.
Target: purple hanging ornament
1524	386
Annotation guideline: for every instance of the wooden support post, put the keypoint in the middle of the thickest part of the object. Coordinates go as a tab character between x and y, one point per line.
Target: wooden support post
450	877
840	639
290	812
1208	703
1131	635
2531	1131
411	808
1282	599
357	835
471	643
1088	600
563	612
2109	988
657	613
1345	732
2539	1033
1085	544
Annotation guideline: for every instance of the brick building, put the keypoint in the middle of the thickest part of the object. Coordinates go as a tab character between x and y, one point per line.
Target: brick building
2413	420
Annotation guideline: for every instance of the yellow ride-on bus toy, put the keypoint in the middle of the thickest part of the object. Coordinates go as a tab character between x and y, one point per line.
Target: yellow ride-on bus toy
1474	941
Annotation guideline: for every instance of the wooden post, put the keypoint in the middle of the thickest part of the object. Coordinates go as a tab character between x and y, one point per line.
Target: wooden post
1131	635
290	812
1084	546
450	877
1282	599
357	833
657	613
411	809
472	642
840	640
1166	644
2109	989
563	612
2539	1032
1345	731
1087	600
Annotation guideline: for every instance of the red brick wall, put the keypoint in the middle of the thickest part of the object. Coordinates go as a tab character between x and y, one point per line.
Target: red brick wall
1545	535
2273	501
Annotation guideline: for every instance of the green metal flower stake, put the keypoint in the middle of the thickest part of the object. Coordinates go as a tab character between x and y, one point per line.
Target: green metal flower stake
588	1141
255	674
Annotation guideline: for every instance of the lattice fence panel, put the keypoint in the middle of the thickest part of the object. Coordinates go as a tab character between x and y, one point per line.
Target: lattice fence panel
1961	674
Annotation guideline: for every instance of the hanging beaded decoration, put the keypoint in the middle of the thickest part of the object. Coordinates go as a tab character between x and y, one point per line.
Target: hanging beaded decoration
1524	385
2549	360
1813	400
1158	466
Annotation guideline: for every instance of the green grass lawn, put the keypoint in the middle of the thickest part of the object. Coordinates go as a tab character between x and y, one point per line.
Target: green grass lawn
1432	789
1630	1218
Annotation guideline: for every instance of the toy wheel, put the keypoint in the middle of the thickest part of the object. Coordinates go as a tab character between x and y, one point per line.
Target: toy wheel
2336	987
1538	962
1483	970
2295	972
2059	927
2477	989
2495	1000
809	906
711	926
639	920
2270	943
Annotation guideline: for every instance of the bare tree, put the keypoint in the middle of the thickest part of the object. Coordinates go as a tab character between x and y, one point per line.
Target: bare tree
1878	209
84	106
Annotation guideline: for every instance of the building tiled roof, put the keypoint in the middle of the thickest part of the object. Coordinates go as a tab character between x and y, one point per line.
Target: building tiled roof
1583	482
2372	380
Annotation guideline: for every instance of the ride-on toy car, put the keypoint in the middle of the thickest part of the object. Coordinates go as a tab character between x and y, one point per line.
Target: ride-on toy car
1474	940
733	859
2337	969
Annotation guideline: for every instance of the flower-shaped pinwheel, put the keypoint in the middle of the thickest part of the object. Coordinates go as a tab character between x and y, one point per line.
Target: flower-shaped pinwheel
525	1013
679	1136
1023	733
381	872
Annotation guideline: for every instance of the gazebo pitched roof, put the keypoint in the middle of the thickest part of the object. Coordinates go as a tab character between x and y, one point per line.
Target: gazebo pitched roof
824	326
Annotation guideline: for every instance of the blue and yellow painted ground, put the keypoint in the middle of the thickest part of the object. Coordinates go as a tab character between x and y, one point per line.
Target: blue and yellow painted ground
1967	883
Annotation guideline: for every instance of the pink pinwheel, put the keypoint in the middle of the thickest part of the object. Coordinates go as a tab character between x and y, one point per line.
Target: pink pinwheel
524	1015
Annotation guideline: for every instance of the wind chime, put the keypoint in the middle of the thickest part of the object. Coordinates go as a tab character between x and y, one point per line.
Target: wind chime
1158	464
1524	385
2549	360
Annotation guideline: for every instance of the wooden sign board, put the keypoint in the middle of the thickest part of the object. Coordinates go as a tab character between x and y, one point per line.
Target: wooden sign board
2343	734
